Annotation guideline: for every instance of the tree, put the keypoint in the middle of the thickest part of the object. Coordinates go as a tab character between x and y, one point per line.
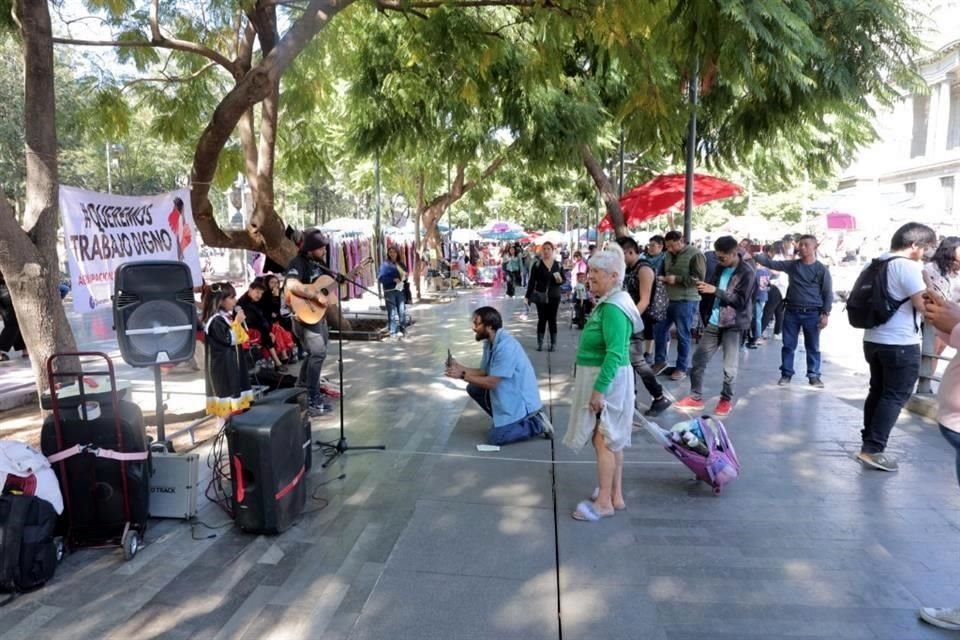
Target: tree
767	68
28	254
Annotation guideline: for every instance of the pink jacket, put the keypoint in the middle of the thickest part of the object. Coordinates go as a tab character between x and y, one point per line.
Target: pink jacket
949	396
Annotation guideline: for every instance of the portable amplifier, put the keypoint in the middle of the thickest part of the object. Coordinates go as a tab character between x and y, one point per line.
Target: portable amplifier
173	484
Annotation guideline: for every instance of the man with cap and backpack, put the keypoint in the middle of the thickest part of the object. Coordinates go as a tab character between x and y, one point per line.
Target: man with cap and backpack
886	301
650	296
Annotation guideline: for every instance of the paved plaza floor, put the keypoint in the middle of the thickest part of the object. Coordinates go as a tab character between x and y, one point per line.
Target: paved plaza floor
432	539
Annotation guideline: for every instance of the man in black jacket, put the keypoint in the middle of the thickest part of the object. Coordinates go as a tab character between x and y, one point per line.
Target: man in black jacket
731	313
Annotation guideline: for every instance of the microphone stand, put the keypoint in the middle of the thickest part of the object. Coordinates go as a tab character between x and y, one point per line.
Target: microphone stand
337	448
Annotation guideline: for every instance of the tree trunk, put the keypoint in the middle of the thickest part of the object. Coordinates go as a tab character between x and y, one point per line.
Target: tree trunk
28	259
433	211
606	190
417	267
254	86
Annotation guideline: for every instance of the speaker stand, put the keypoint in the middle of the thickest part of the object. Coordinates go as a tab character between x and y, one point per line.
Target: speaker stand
338	447
161	426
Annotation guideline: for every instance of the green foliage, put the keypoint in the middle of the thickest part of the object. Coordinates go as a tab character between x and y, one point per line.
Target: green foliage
12	168
789	88
6	16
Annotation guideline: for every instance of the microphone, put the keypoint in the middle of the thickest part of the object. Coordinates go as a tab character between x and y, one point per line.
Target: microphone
336	275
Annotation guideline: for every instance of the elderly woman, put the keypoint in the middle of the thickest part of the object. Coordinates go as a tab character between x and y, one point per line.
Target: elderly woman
602	411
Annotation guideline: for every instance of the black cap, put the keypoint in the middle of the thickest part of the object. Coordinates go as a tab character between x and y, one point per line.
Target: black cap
313	239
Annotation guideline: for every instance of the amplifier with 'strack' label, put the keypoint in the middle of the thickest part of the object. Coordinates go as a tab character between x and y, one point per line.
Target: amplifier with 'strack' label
173	484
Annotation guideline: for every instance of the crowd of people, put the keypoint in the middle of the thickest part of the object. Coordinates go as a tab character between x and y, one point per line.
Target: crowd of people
726	299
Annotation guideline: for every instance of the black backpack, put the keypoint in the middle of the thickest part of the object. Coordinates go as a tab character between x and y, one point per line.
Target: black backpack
869	304
28	551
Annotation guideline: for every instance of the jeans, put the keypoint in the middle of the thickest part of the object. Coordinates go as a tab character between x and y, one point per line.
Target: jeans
953	438
396	310
894	370
714	339
757	321
523	429
642	369
679	313
793	322
315	342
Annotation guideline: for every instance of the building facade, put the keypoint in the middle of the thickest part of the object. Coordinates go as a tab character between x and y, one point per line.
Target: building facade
915	164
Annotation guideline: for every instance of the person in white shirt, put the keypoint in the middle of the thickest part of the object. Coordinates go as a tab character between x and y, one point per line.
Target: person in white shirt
893	349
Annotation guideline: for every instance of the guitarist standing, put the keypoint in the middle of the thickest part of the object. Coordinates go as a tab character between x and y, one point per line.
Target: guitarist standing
305	269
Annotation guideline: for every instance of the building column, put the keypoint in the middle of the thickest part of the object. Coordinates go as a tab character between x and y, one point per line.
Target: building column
939	119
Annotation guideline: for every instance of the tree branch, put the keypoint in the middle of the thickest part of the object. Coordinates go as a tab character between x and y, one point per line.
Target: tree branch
173	79
489	171
255	86
605	187
159	41
436	4
183	45
197	49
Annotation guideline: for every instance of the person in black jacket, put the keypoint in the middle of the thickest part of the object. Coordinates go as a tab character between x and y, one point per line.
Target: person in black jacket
250	302
10	337
543	289
731	313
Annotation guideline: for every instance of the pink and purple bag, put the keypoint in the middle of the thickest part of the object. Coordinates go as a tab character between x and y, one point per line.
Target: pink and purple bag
719	467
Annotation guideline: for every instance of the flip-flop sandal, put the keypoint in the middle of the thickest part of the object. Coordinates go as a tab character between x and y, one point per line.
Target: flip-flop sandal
586	512
596	494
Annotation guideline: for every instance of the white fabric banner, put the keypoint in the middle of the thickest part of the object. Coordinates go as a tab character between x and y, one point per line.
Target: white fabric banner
103	231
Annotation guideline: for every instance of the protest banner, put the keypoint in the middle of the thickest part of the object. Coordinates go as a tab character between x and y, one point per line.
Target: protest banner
103	231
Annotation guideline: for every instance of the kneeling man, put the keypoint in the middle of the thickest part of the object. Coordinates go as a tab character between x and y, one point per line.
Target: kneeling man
505	385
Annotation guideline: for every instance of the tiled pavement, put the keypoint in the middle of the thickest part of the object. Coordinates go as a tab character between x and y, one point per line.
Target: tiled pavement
432	539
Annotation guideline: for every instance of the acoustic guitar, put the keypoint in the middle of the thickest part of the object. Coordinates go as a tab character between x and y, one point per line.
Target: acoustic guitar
310	310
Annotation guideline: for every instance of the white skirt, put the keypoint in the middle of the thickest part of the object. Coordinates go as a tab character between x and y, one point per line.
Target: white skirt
616	420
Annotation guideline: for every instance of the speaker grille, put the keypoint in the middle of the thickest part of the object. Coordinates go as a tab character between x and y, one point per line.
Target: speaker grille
126	299
157	314
149	296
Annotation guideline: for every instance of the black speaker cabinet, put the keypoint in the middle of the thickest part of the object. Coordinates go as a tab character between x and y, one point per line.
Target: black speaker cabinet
154	312
296	396
267	467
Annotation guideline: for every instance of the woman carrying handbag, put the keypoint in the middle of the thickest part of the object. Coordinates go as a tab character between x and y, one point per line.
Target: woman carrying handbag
543	290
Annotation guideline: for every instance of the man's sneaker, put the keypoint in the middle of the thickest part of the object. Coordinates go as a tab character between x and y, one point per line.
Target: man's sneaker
784	380
943	618
723	408
678	375
547	425
689	404
319	409
816	382
880	461
659	406
657	367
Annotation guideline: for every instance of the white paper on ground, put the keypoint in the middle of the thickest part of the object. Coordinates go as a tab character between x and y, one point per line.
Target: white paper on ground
487	447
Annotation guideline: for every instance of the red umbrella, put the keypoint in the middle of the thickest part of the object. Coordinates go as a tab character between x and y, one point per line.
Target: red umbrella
665	192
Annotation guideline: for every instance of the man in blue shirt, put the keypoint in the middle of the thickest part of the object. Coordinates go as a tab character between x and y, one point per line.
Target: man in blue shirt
505	385
729	304
806	307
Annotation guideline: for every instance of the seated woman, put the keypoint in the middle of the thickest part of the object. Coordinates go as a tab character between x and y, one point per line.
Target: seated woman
256	321
281	327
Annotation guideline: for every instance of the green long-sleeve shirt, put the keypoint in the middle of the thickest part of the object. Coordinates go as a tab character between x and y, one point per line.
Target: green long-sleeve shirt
605	343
